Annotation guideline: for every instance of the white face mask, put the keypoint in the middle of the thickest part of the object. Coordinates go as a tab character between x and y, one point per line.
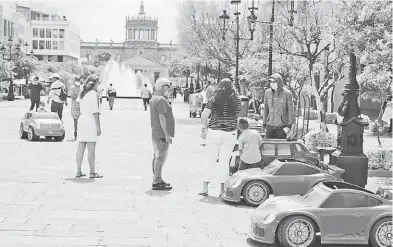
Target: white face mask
77	83
274	85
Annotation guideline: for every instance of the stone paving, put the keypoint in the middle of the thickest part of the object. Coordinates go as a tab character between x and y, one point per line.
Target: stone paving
42	204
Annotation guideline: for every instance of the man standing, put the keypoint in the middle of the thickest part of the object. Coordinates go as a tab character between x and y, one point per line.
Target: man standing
146	95
57	95
111	94
163	130
278	115
75	109
35	93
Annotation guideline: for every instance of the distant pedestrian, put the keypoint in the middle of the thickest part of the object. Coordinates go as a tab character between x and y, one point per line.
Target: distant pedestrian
89	126
146	95
163	130
111	94
35	93
57	95
250	142
75	108
279	114
174	92
223	109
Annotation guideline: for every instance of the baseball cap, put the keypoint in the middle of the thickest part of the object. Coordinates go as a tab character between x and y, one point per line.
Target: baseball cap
36	78
162	82
54	75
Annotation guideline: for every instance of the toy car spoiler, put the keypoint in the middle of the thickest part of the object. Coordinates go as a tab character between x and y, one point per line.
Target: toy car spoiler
335	171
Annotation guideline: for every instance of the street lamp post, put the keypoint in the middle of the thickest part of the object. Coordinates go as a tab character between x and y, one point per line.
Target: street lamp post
10	96
224	17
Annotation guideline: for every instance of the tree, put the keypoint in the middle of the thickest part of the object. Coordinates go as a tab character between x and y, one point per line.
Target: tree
309	34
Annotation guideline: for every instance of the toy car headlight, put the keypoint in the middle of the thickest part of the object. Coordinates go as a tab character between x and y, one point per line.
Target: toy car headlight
269	219
236	182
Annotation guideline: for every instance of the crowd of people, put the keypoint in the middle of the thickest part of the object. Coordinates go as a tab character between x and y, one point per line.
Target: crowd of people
222	118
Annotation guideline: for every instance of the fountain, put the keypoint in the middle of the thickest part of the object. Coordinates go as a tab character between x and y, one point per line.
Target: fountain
124	80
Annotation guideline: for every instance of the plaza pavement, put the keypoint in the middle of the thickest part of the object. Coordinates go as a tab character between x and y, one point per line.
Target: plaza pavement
42	204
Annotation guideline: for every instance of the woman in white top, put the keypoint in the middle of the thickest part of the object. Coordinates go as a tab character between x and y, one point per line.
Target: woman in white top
88	126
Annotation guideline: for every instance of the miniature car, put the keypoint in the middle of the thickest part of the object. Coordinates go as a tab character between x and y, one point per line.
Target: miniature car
342	213
272	149
281	177
36	124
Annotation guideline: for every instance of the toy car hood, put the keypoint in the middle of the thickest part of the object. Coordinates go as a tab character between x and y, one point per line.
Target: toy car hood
280	204
250	172
48	121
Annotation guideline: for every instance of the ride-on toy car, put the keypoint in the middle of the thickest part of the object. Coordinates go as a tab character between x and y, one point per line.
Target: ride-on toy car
342	213
281	177
272	149
195	104
36	124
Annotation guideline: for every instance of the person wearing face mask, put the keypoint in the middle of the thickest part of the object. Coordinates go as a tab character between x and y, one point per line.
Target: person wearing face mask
163	130
278	115
75	108
35	93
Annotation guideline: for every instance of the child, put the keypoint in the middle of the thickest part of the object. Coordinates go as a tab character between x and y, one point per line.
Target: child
249	146
42	107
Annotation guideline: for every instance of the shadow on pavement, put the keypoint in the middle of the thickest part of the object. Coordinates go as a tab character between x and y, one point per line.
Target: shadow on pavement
83	180
189	121
159	193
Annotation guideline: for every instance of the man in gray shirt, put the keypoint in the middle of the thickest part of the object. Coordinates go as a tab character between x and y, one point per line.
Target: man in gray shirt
163	130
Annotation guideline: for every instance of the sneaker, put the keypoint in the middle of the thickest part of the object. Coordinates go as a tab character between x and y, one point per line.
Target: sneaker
161	186
167	184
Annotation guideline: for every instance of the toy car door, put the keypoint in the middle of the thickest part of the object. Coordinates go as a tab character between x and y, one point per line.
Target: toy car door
342	218
288	180
268	153
284	150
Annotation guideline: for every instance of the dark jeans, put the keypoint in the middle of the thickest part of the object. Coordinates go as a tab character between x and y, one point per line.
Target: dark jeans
243	165
275	132
146	102
35	102
58	108
111	101
160	154
203	106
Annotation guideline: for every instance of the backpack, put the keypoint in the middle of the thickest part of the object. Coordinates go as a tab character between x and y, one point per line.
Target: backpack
63	94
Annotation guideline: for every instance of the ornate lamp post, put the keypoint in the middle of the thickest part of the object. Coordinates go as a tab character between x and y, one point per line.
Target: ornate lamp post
11	96
253	19
224	17
350	156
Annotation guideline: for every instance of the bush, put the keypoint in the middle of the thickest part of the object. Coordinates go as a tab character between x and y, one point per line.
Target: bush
314	139
331	117
313	115
374	126
365	117
379	158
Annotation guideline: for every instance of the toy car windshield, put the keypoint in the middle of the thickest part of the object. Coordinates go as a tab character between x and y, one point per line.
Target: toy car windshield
45	115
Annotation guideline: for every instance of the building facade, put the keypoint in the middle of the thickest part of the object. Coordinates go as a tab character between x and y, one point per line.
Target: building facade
140	50
12	23
51	36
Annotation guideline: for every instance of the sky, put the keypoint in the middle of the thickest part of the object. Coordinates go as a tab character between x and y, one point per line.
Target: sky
105	20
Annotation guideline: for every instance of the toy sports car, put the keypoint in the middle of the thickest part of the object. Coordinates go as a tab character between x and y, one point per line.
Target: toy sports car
36	124
281	177
272	149
342	213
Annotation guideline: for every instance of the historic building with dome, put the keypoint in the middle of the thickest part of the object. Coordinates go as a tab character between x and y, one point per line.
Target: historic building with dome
141	50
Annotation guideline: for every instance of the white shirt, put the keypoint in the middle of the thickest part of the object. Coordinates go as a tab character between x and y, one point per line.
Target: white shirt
55	91
249	143
145	93
203	93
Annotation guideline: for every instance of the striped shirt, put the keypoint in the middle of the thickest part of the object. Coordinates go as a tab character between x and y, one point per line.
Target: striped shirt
224	121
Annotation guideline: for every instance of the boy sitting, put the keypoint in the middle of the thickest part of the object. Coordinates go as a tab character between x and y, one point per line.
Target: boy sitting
42	107
249	146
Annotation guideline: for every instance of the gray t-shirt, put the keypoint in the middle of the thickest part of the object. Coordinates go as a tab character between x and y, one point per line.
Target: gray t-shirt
159	105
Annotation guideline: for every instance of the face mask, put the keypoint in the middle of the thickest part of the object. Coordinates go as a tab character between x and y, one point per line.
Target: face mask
274	86
35	82
77	83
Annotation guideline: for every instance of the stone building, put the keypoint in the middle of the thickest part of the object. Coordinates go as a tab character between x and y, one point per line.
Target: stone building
140	50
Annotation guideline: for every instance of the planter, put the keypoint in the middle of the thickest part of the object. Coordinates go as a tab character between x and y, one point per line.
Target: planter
380	174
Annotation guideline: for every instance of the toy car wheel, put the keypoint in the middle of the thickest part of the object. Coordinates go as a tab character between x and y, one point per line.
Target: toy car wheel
297	231
255	192
22	133
59	138
381	233
31	135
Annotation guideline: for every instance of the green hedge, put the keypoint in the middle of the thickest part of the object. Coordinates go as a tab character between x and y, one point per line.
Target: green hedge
312	115
331	117
379	158
314	139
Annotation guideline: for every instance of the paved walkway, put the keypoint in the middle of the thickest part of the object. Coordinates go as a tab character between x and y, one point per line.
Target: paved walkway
41	204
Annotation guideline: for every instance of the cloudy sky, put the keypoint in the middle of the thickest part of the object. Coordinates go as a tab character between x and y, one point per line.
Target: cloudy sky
105	20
